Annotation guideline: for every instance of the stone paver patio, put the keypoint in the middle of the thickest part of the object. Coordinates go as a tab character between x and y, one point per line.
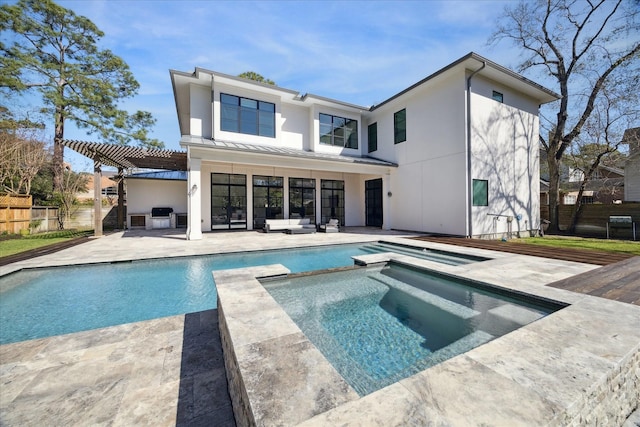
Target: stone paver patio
170	371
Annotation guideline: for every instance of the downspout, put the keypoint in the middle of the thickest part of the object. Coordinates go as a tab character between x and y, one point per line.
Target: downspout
189	222
468	159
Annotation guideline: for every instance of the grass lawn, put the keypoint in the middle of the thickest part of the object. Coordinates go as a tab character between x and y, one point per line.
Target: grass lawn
622	246
12	246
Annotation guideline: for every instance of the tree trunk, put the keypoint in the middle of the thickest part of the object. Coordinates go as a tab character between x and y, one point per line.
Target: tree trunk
58	150
554	193
578	209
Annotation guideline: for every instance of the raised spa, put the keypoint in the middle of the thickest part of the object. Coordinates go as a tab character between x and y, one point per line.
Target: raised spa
378	325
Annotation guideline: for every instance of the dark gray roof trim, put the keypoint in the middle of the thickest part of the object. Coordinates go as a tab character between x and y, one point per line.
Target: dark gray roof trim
289	152
295	93
334	101
199	70
471	55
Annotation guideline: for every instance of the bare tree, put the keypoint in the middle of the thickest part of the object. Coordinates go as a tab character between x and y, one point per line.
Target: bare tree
72	184
599	143
23	153
584	47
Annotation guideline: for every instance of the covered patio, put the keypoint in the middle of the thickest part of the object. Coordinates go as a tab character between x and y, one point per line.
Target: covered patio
124	158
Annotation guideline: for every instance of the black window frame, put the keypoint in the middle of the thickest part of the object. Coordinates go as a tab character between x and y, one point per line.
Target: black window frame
475	191
264	115
372	136
337	132
271	202
332	201
497	96
400	117
235	208
302	198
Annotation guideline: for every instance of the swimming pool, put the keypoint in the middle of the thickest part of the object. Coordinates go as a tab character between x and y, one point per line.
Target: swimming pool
43	302
378	325
52	301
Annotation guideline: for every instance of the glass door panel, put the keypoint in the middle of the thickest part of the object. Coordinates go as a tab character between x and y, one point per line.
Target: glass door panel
228	201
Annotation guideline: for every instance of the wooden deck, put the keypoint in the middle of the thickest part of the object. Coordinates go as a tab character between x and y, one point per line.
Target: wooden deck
619	282
618	279
567	254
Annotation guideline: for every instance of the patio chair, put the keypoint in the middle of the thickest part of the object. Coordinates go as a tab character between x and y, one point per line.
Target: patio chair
333	226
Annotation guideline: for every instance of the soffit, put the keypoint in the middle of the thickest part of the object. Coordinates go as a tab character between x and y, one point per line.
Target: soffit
279	156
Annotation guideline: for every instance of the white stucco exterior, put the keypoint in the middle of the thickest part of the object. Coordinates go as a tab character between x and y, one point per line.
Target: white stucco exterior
426	180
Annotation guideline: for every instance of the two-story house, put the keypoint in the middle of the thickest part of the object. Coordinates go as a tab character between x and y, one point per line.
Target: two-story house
456	153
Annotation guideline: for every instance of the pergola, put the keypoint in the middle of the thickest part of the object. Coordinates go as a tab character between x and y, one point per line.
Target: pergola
122	157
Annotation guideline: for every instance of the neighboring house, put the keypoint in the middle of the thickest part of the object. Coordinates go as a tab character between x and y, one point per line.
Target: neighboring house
602	172
632	166
605	186
456	153
544	192
108	185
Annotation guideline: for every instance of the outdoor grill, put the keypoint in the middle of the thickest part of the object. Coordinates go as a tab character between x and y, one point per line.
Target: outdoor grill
161	217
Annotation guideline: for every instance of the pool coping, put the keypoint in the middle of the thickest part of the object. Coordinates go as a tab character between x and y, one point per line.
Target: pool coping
578	365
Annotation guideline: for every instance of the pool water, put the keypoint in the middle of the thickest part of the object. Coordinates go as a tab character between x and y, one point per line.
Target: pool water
380	325
52	301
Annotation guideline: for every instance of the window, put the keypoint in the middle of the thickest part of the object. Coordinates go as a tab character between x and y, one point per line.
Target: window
373	137
400	126
587	200
497	96
338	131
332	201
480	192
244	115
268	199
302	198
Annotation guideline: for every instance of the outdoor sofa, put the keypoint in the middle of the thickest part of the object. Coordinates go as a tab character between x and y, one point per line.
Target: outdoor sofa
303	224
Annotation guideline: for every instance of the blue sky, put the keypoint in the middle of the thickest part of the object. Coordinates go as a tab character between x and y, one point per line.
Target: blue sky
360	52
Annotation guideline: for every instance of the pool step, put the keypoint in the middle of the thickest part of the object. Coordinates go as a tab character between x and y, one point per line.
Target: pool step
417	253
435	300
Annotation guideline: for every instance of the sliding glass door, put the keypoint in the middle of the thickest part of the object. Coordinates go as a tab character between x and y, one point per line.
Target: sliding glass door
228	201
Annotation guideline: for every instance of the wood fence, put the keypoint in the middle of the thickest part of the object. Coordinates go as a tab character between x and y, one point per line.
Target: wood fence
44	218
593	219
15	213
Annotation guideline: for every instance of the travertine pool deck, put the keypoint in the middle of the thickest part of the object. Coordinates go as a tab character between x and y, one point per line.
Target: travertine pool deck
169	371
578	366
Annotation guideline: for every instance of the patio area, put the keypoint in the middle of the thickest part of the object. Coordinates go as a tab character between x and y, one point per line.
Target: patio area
170	371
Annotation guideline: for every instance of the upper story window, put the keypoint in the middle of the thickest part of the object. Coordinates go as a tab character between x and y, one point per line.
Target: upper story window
373	137
497	96
244	115
338	131
400	126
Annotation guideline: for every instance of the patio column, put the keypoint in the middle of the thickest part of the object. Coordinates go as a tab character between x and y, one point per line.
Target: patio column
194	202
387	195
97	198
121	223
